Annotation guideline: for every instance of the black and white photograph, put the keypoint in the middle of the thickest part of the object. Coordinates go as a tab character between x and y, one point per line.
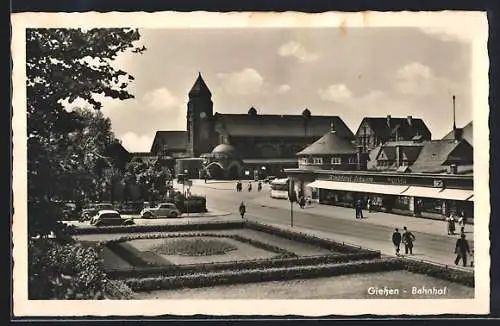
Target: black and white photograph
247	164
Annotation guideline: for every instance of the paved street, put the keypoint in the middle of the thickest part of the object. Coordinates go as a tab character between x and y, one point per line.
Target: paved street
432	243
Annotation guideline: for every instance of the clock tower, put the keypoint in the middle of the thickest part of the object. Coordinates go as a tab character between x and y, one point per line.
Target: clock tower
200	129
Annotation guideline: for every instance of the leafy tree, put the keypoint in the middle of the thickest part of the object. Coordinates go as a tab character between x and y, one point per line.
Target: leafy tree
66	64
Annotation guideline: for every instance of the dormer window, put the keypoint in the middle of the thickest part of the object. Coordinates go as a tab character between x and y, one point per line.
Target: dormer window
336	161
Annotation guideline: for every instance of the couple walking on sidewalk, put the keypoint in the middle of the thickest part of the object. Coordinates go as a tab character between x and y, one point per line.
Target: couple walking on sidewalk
407	238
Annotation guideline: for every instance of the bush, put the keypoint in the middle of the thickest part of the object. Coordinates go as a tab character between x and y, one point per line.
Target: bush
64	271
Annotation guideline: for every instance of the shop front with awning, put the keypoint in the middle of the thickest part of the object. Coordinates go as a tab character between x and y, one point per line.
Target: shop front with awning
405	193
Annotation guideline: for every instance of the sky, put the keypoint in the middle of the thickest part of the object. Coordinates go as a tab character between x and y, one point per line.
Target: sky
352	73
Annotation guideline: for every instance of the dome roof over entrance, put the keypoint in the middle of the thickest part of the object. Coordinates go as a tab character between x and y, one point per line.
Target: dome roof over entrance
224	148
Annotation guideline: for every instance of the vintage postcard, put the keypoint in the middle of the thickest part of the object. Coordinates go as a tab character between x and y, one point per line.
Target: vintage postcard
250	164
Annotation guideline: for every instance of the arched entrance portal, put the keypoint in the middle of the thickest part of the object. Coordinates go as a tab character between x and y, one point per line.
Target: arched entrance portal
234	171
215	170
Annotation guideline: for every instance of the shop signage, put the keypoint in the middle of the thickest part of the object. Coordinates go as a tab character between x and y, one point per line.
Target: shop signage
396	181
349	178
399	180
438	184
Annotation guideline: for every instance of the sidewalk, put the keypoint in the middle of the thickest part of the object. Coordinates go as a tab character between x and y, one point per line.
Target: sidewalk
385	247
422	225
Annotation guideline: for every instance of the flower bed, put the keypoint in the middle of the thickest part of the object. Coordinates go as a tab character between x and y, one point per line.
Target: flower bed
193	247
306	238
138	258
158	228
441	272
260	275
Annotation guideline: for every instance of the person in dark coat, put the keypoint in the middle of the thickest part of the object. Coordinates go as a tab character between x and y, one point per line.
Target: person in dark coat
360	208
302	202
461	250
396	240
242	210
408	239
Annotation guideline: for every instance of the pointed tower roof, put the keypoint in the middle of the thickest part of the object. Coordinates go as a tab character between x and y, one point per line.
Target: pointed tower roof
330	144
200	88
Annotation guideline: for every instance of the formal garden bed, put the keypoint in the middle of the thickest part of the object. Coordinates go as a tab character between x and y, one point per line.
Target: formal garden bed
76	271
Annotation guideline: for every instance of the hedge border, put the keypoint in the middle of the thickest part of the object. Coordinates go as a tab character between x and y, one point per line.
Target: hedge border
440	272
266	275
255	243
306	238
159	228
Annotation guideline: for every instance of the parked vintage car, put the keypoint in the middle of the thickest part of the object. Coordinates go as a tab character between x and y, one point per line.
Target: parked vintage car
269	179
93	209
109	217
161	210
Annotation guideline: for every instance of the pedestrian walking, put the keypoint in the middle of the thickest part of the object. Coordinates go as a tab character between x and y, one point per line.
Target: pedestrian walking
242	210
408	239
396	240
462	219
249	186
356	208
461	250
302	202
451	225
360	208
369	205
259	186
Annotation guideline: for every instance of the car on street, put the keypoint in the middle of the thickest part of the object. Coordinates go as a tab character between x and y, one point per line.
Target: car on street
93	210
108	218
161	210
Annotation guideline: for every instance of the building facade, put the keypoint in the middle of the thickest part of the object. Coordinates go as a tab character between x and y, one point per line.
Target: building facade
264	144
375	131
415	194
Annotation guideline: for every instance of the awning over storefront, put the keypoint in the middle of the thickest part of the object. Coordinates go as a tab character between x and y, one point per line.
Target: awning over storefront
456	194
439	193
425	192
359	187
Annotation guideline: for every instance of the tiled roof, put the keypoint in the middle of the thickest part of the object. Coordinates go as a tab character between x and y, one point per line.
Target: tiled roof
173	140
399	125
200	88
330	143
389	151
467	133
434	154
280	125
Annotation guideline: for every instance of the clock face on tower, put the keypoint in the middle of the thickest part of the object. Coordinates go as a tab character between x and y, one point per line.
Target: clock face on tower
203	115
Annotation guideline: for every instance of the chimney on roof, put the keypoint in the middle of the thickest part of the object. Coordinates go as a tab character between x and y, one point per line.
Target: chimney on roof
388	121
454	124
410	120
398	155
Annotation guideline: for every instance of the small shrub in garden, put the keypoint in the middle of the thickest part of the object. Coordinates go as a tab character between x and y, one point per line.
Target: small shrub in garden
64	271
